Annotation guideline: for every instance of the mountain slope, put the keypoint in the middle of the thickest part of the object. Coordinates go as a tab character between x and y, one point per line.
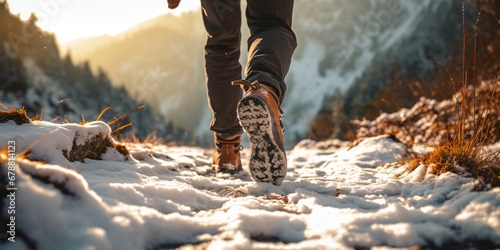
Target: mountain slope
33	75
161	64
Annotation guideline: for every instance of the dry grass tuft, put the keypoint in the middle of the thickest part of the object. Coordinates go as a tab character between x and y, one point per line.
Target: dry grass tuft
121	149
460	158
37	117
464	151
93	149
17	115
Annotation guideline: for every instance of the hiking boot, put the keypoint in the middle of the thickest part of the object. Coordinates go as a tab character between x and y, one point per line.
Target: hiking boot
227	156
260	116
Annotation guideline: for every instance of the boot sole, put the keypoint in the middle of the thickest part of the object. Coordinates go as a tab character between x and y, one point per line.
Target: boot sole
268	158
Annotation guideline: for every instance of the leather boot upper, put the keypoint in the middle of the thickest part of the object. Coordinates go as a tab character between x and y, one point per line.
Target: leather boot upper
226	158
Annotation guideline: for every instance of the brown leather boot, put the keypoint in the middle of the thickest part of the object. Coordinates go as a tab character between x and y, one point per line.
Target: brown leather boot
260	116
227	156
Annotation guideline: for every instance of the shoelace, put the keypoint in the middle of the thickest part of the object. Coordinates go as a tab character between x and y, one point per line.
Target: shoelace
219	145
248	86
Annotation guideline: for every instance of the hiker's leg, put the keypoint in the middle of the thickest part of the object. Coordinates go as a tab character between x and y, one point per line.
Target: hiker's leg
222	20
271	44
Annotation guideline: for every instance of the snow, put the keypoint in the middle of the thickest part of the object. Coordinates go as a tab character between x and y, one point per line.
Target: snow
337	195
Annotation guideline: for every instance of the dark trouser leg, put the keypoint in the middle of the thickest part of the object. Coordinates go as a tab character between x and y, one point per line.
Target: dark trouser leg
222	20
271	44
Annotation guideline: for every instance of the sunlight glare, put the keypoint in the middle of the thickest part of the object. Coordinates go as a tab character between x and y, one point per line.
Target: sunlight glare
72	19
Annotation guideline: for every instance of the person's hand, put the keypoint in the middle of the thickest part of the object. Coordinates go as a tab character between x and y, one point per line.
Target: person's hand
172	4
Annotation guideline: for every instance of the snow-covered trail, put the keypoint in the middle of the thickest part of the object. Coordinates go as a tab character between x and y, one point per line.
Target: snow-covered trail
334	197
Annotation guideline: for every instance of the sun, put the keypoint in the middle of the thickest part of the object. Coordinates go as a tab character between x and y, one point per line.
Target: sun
72	19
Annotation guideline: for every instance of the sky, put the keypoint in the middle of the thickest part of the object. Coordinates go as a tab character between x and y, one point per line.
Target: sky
72	19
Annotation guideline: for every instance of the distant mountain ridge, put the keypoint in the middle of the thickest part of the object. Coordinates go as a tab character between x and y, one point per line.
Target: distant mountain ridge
82	46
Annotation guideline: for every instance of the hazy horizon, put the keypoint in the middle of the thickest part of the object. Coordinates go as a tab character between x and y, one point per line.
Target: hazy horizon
71	20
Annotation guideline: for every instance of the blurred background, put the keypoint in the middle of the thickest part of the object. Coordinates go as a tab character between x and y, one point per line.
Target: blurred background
355	59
